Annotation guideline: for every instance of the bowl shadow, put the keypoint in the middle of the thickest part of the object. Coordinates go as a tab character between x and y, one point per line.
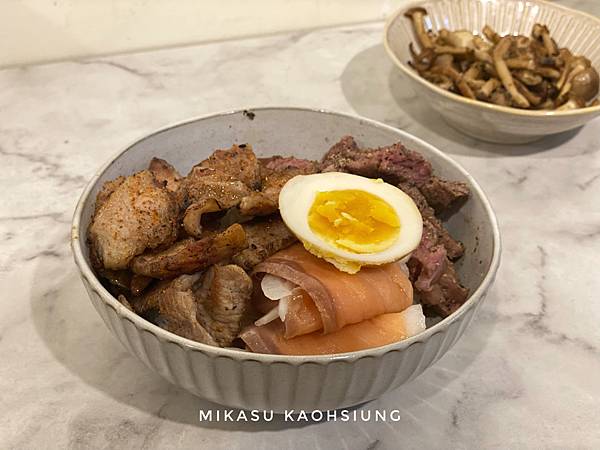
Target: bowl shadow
385	95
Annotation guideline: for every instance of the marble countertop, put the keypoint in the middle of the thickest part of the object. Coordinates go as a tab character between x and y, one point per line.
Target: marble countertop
524	375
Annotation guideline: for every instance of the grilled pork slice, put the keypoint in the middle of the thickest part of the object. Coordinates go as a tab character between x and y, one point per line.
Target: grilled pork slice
132	215
190	255
265	237
207	307
238	162
177	308
207	190
223	301
275	172
165	174
370	333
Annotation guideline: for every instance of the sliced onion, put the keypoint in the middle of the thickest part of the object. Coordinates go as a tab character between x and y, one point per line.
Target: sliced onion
268	317
403	267
275	288
283	307
414	320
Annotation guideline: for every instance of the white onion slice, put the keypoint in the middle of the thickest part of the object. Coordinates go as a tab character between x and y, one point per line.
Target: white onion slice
275	288
414	320
283	307
267	318
403	267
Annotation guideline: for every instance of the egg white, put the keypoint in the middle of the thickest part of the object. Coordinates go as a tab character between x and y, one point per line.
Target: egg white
298	195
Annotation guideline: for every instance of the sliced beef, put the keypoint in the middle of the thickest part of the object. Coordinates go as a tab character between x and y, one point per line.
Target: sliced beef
443	194
454	248
190	255
265	237
133	215
223	301
395	163
275	172
239	162
432	274
447	295
338	156
283	163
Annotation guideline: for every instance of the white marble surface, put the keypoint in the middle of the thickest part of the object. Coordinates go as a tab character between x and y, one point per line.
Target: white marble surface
526	374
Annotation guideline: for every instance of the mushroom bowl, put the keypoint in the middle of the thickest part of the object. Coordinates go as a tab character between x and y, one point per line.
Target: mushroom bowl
238	378
574	30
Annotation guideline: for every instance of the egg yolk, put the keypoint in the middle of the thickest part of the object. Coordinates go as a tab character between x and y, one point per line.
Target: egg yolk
354	220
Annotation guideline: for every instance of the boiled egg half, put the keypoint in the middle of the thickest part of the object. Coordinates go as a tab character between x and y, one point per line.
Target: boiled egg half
349	220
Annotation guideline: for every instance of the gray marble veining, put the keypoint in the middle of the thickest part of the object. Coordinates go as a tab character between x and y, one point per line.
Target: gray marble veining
525	375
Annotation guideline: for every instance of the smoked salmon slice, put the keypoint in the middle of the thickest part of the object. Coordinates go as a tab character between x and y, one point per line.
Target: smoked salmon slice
374	332
329	299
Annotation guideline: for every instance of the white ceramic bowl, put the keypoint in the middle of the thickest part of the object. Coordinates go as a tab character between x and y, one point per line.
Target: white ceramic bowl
246	380
575	30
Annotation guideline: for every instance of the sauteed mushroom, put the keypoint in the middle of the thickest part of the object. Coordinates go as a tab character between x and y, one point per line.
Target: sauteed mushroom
417	15
500	50
530	72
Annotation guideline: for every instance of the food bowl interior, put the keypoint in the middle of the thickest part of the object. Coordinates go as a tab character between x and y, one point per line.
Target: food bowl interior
577	31
305	134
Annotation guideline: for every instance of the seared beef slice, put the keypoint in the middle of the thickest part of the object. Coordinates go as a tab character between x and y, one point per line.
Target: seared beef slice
431	268
395	164
138	214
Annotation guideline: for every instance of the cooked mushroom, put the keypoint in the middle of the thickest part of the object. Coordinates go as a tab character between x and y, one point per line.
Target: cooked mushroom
547	72
417	15
446	49
576	66
519	71
528	77
572	103
585	84
500	97
460	38
192	221
530	96
421	61
443	66
520	63
491	35
541	32
504	74
488	88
